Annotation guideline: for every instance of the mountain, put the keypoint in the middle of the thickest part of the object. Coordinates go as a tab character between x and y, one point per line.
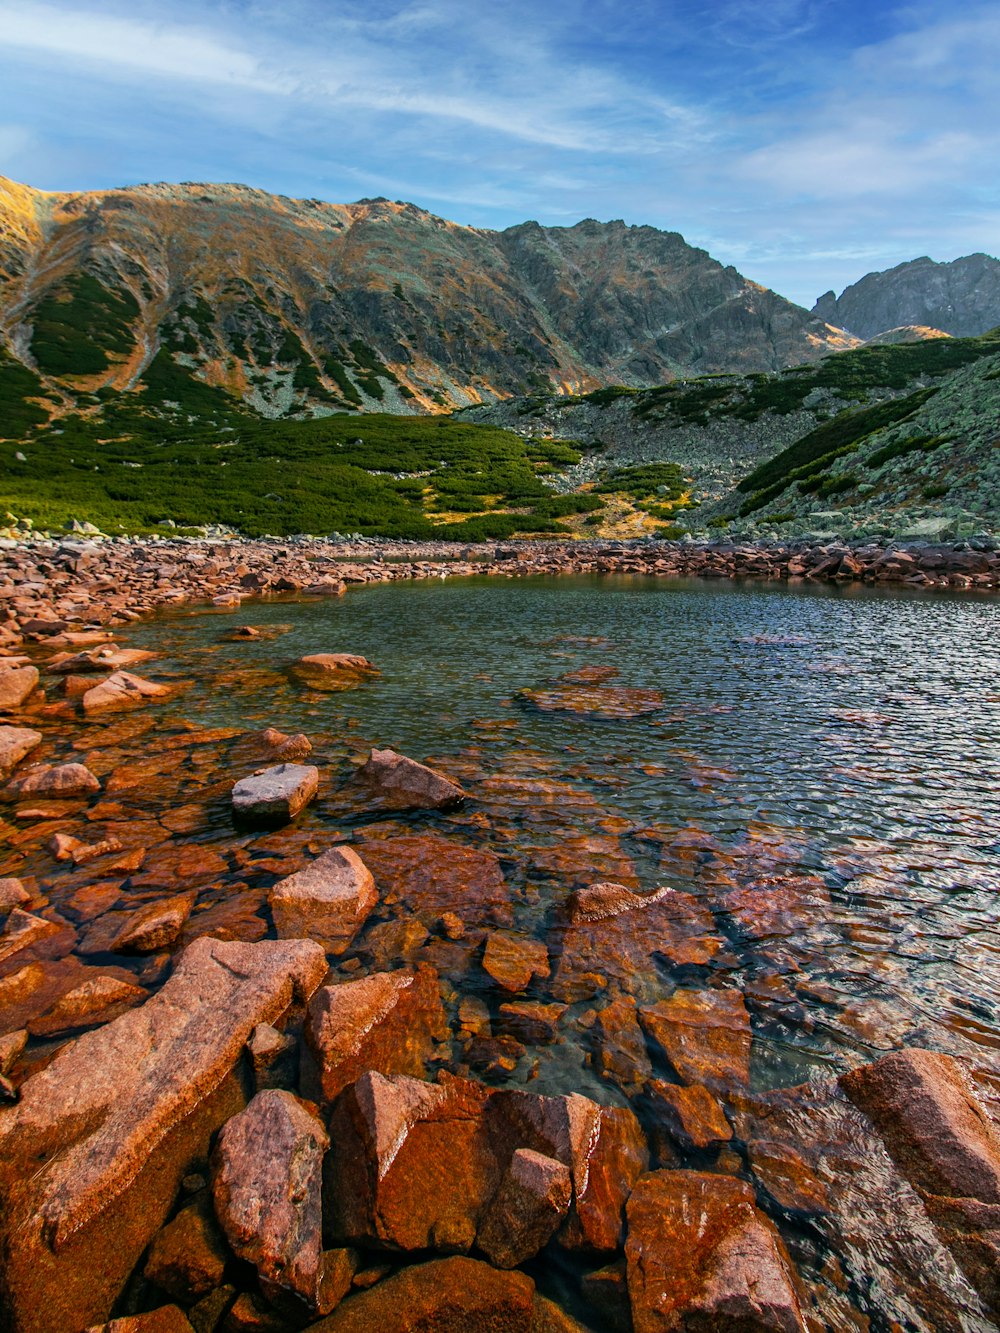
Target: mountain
961	298
196	295
884	439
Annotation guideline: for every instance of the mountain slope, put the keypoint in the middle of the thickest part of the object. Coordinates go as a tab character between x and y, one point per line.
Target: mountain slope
296	306
961	298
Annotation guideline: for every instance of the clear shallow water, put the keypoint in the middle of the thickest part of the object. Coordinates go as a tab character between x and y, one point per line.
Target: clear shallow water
836	748
852	735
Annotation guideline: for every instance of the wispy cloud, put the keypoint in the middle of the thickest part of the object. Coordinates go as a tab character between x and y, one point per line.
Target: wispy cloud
800	140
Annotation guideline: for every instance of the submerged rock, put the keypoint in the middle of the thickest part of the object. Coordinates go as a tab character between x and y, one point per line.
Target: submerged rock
702	1256
266	1182
434	875
403	784
92	1156
327	901
705	1035
334	671
276	795
612	702
614	936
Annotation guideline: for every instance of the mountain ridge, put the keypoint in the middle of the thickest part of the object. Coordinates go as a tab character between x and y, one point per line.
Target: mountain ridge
960	297
297	306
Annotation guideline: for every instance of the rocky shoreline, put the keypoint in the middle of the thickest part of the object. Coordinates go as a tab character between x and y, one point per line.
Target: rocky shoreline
46	587
256	1071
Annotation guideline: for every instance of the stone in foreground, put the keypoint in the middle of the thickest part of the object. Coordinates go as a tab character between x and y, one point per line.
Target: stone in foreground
92	1157
120	692
328	901
454	1295
533	1198
276	795
387	1022
266	1182
701	1255
16	685
403	784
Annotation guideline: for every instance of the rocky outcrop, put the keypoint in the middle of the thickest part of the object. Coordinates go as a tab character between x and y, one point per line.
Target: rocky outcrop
93	1153
961	298
946	1145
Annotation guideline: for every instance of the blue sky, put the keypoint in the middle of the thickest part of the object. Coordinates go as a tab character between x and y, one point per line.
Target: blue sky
807	142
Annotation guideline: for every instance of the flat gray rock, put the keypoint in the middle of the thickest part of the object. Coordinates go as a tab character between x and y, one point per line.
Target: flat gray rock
275	795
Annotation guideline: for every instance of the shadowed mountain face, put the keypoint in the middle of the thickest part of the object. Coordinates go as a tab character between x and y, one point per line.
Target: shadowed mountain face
293	305
961	298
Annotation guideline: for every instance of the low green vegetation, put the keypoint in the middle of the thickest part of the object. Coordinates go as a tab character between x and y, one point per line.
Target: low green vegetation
78	326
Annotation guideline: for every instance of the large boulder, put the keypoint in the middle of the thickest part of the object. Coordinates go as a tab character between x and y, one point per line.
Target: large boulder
610	935
92	1156
276	795
387	1022
455	1295
57	782
328	901
399	783
701	1255
334	671
267	1185
526	1210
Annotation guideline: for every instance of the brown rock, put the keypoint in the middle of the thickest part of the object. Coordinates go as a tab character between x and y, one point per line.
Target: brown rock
269	1202
433	875
526	1210
395	941
411	1164
16	684
403	784
167	1319
530	1021
12	894
153	928
60	781
454	1295
514	960
188	1257
621	1055
608	1154
329	901
15	743
104	657
705	1034
286	748
249	1313
122	691
97	1000
23	932
615	702
275	795
689	1115
701	1256
786	1177
615	936
334	671
934	1128
387	1022
551	1318
11	1049
129	1106
274	1056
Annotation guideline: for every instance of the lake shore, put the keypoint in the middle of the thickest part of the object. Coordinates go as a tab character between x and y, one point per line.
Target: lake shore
48	587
